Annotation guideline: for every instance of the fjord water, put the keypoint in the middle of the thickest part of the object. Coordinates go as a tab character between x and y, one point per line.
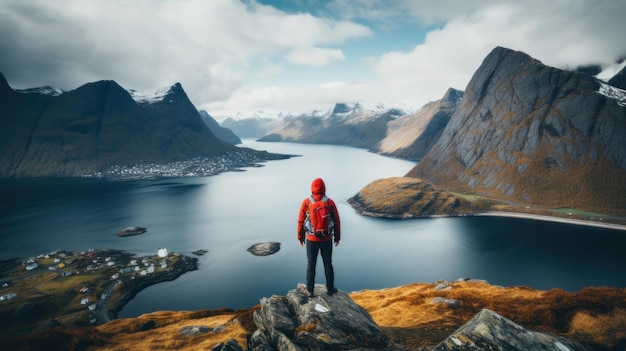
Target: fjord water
227	213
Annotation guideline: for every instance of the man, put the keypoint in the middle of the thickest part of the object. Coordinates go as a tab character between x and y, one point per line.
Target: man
320	242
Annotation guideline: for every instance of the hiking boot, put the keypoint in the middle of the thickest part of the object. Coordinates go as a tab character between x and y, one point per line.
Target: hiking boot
331	291
309	293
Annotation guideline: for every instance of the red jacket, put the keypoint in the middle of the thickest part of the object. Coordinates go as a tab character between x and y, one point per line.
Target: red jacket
318	190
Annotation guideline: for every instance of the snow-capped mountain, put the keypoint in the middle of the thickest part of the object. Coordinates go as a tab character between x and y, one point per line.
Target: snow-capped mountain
355	124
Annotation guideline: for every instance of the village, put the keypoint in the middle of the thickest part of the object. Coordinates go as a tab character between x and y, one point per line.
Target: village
80	288
196	167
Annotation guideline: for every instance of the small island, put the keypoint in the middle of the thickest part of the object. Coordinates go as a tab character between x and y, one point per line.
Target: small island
264	249
130	231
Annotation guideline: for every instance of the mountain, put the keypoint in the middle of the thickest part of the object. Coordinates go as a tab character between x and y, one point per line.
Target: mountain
250	127
97	126
619	80
222	133
412	136
355	125
535	135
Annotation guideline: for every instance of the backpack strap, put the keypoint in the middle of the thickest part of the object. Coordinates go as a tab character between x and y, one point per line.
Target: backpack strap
324	198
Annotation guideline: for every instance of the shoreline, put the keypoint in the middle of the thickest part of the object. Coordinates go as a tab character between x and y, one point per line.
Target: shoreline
546	218
360	208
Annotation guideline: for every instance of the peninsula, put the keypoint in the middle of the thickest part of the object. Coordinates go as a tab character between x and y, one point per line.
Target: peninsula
76	289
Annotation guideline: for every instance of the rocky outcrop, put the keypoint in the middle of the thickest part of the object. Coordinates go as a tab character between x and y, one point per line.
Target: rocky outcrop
534	134
323	322
412	136
490	331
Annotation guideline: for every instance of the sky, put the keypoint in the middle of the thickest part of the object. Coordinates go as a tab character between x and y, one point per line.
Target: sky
297	56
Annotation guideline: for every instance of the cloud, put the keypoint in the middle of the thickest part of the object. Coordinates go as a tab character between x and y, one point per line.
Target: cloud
565	34
242	56
561	36
313	56
211	47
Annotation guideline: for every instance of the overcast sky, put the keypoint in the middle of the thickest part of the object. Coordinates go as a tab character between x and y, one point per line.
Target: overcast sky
296	56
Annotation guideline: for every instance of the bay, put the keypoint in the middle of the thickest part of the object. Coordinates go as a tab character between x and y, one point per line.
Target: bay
227	213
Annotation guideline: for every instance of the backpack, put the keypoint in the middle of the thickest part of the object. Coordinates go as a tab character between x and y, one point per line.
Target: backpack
319	220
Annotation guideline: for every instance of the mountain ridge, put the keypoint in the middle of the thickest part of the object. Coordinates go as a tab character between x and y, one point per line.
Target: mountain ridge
100	125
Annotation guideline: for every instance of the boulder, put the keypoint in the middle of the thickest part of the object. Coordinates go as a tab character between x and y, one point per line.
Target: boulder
490	331
323	322
264	249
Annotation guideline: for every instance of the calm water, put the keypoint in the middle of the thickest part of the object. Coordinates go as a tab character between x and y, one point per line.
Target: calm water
225	214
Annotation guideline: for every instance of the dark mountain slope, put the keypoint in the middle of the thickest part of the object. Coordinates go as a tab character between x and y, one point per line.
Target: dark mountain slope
619	80
96	126
412	136
222	133
534	134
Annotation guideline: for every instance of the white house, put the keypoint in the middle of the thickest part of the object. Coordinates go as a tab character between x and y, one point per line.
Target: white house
162	252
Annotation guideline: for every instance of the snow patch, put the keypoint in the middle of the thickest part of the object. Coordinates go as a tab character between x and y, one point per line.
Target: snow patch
613	93
47	90
157	96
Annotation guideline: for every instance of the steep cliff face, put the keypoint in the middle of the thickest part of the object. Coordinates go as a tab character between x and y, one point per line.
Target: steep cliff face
222	133
534	134
412	136
95	126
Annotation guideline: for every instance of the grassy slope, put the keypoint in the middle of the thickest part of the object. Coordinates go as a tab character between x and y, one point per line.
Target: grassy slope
594	316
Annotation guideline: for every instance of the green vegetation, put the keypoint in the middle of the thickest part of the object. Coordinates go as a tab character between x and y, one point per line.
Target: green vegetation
68	288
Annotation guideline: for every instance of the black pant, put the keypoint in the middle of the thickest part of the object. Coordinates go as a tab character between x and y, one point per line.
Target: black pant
326	249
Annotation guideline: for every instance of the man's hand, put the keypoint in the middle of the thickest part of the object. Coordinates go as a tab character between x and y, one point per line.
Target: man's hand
301	243
336	242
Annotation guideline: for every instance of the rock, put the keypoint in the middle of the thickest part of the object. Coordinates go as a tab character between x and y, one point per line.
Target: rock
230	345
490	331
442	285
194	330
446	301
129	231
324	322
199	252
264	249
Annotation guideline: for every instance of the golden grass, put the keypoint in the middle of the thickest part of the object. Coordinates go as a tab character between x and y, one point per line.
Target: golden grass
161	330
399	196
408	317
594	316
602	329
